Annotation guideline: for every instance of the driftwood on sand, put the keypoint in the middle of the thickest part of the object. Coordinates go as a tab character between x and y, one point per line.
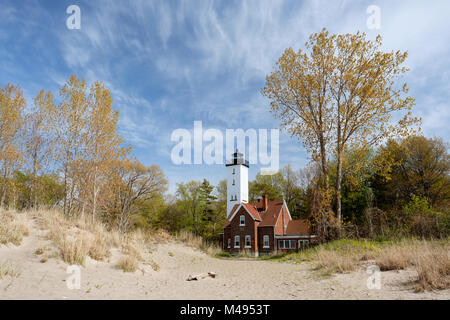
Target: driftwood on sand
201	276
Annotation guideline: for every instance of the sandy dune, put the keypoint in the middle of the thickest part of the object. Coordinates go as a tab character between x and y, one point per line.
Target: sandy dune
237	279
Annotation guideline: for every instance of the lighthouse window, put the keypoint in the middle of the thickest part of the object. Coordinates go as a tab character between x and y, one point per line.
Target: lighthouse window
234	170
233	182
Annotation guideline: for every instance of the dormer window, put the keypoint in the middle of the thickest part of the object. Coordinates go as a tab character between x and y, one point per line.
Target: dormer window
242	220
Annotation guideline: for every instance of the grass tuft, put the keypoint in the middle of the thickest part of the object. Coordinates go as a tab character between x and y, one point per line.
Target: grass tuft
7	270
127	263
191	240
13	227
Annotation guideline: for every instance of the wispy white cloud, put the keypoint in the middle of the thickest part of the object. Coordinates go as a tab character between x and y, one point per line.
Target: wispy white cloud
168	63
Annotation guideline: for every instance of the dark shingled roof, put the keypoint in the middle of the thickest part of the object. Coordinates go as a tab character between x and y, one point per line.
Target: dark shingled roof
296	227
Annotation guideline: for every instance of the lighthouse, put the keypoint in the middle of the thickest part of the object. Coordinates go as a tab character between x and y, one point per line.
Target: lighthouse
237	181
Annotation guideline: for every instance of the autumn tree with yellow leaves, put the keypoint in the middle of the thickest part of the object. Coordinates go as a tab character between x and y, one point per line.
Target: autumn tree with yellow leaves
341	92
39	140
12	107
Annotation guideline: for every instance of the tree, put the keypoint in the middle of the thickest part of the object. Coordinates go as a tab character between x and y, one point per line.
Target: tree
340	95
102	142
269	185
189	195
12	106
421	167
40	141
70	123
132	183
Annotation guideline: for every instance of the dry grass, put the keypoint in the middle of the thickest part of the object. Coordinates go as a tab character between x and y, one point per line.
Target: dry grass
77	238
74	251
7	270
429	258
128	263
99	248
13	227
39	251
155	266
396	257
331	262
433	269
198	242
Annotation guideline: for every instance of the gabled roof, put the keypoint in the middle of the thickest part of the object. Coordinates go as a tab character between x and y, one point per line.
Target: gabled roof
248	207
270	216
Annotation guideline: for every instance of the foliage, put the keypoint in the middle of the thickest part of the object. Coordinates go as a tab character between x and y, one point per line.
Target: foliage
340	93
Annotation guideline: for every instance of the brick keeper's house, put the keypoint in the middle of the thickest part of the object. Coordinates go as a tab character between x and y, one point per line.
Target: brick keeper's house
258	228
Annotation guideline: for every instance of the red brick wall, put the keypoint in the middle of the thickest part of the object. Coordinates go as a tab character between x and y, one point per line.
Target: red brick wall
268	230
279	225
234	229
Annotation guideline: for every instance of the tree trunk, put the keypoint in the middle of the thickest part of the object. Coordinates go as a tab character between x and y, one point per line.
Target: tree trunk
339	188
339	146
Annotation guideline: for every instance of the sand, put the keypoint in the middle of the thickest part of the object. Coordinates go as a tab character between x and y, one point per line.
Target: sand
236	279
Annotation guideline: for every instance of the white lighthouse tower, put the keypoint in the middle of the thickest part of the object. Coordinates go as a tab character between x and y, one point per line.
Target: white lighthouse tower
237	181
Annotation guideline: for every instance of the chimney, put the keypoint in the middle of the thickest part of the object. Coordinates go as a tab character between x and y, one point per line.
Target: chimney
265	202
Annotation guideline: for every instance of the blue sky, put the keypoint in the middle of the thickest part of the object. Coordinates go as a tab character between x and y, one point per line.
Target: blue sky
169	63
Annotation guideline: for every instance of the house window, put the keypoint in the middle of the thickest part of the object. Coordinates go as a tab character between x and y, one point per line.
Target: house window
229	242
237	242
286	244
303	244
242	220
266	241
248	242
291	244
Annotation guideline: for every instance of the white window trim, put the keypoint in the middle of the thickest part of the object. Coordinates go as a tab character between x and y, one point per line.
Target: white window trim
242	221
238	240
250	240
286	244
266	237
237	210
